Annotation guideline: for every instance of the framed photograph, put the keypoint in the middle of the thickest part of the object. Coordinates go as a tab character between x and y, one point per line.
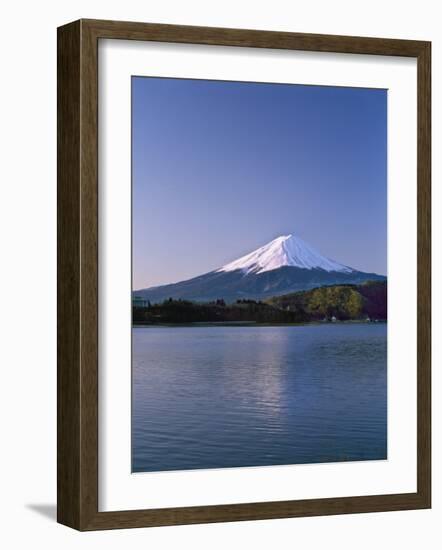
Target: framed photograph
232	207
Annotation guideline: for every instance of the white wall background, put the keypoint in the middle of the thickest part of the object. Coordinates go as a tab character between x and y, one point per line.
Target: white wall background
28	270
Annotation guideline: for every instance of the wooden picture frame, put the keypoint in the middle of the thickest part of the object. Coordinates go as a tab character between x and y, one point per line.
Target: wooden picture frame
78	274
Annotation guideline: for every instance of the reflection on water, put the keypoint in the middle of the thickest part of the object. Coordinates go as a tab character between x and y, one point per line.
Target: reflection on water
216	397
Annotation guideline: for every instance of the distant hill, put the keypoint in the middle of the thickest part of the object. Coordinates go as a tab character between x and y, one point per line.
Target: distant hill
286	264
344	302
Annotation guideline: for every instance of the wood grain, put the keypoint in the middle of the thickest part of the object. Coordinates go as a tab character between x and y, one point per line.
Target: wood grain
424	275
77	224
68	276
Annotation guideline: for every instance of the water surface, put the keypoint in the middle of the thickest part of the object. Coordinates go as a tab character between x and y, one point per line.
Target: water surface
217	397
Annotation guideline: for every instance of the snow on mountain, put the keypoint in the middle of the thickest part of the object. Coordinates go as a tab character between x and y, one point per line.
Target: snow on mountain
283	266
287	250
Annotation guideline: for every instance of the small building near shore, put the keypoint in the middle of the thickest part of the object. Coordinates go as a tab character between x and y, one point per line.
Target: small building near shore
139	301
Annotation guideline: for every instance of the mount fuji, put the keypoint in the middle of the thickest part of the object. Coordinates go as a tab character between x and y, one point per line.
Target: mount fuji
286	264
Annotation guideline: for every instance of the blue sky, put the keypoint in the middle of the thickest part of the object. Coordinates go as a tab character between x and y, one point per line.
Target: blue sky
221	168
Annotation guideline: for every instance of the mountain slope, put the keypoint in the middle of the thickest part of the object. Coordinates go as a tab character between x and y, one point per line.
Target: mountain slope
286	264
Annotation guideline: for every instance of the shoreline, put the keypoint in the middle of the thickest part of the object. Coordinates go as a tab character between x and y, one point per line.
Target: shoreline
255	324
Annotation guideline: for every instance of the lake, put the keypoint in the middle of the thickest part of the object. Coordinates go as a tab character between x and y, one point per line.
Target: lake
219	397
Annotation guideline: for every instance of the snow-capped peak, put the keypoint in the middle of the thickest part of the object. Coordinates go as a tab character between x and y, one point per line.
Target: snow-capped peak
286	250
